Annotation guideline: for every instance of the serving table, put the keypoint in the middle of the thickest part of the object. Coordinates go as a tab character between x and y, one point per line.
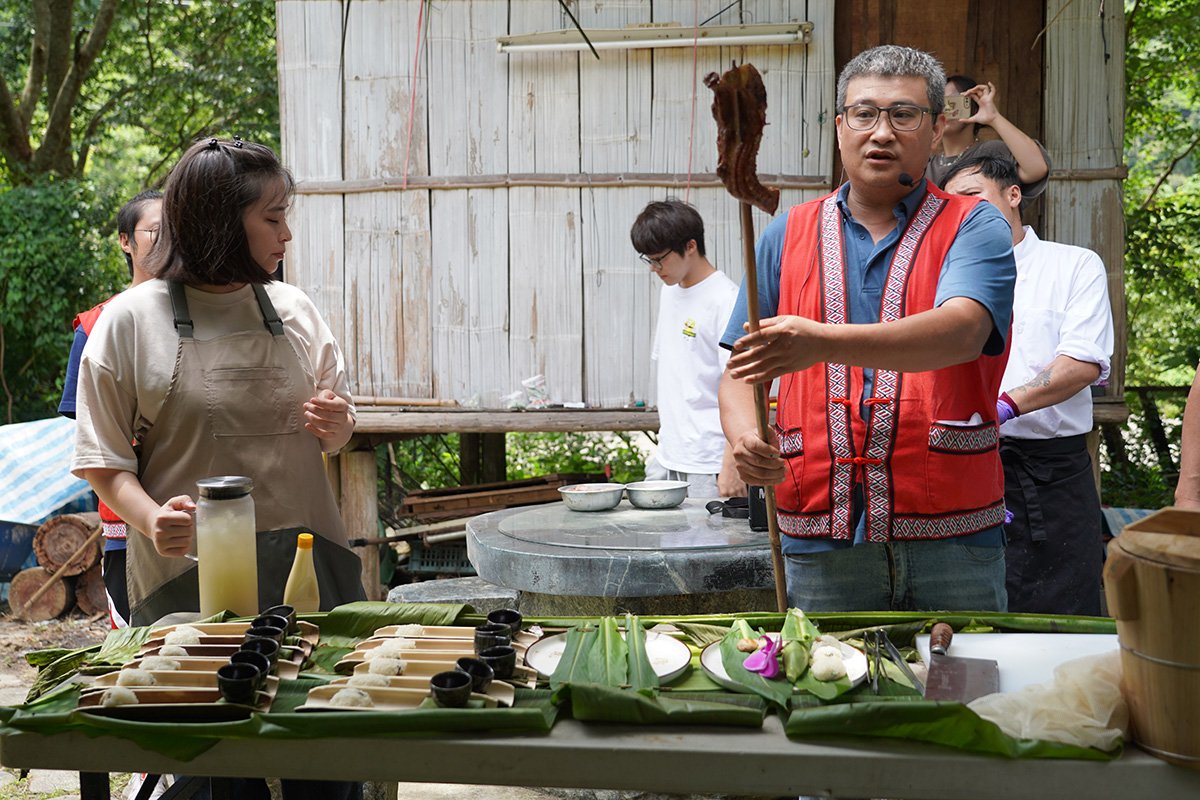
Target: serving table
665	759
647	561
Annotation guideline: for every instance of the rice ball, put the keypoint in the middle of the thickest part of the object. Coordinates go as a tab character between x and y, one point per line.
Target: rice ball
827	663
352	698
389	647
409	630
132	676
386	666
368	679
118	696
160	663
184	634
173	650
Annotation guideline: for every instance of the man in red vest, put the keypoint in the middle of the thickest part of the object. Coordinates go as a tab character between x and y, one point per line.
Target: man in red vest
886	312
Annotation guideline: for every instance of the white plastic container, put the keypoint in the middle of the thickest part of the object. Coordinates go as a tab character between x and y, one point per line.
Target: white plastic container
226	546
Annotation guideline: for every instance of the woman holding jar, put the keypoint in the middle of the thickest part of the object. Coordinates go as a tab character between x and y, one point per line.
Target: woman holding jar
217	369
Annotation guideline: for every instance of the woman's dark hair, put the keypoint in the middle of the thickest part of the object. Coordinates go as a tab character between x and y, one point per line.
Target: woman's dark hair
130	215
667	225
962	83
203	239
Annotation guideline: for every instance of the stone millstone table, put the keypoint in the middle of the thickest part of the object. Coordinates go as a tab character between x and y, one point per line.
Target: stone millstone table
663	561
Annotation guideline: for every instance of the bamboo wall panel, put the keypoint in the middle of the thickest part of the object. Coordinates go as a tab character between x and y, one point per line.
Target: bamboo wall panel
1085	60
461	293
387	235
469	248
311	135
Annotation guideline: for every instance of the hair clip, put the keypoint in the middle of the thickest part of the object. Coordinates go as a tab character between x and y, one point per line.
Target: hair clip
237	142
213	144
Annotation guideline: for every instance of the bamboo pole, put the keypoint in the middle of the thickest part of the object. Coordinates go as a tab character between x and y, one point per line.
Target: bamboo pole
760	403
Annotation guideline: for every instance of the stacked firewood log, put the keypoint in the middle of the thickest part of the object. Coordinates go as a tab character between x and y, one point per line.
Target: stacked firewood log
68	550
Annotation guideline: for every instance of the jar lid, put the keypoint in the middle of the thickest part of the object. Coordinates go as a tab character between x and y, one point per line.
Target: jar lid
225	487
1170	536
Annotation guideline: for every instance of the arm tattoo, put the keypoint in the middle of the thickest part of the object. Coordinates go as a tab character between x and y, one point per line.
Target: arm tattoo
1041	380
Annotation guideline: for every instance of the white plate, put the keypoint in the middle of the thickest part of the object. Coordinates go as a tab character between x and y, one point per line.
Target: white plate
710	660
669	657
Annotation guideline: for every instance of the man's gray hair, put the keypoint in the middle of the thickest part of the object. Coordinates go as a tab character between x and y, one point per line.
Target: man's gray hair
892	60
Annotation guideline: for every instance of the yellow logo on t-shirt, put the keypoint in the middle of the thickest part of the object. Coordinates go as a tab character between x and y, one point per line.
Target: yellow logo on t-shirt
689	328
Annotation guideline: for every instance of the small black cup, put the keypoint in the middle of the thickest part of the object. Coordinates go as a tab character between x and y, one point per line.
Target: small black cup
507	616
481	674
491	634
502	659
451	689
266	632
268	647
288	613
255	659
271	621
238	682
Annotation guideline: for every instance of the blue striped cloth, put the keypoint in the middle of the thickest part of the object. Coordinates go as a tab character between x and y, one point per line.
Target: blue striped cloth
35	470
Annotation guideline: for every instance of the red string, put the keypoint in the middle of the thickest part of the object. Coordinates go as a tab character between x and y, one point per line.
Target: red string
695	65
412	94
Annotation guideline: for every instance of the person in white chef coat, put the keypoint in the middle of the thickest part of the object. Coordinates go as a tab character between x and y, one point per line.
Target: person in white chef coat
1062	341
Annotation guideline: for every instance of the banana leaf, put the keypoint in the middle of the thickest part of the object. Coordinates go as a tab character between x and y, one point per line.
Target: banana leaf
594	702
777	691
702	634
824	690
611	654
944	723
642	677
797	635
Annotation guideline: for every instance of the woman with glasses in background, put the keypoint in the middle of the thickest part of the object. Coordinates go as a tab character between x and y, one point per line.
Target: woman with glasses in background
137	231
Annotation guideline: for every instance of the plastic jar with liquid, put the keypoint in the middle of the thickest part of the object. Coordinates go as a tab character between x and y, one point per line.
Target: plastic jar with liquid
226	546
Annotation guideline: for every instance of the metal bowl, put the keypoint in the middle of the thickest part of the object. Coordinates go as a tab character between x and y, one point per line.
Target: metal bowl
592	496
657	494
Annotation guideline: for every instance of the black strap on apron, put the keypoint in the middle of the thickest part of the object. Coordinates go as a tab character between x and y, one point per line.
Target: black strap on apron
1021	452
183	317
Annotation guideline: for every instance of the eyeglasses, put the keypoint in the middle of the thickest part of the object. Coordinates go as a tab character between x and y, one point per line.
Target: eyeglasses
655	262
152	231
903	117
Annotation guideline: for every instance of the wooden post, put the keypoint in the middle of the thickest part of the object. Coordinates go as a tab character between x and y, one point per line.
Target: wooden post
493	457
469	457
360	512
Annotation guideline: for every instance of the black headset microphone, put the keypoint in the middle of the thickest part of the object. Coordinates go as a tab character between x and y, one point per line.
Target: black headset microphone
906	180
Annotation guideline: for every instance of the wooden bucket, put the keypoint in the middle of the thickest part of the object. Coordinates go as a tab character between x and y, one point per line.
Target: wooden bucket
1152	583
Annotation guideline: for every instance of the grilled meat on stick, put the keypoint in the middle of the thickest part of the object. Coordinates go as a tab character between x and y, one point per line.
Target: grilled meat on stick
740	109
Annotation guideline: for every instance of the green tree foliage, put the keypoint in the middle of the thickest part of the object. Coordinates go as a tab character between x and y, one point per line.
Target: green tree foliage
98	98
1162	194
55	260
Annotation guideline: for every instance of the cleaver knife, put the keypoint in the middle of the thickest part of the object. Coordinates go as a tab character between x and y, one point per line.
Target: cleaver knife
953	678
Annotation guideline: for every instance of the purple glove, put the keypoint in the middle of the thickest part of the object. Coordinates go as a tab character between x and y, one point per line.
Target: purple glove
1004	412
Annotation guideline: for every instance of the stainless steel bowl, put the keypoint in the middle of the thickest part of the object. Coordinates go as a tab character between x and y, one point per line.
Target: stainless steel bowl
657	494
592	496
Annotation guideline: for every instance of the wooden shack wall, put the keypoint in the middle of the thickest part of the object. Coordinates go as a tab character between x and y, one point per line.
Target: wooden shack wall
461	290
1085	129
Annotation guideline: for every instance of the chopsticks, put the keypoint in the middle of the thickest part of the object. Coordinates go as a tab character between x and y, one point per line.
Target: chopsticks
873	640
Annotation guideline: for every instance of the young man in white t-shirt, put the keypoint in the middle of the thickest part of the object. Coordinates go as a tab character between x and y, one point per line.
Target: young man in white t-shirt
694	306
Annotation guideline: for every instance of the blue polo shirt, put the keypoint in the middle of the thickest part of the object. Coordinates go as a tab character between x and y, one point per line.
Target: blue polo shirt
978	265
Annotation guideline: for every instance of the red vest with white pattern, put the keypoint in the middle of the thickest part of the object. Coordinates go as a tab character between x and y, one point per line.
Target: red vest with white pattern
922	478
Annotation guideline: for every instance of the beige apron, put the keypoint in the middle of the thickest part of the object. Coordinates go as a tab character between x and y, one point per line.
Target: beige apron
234	408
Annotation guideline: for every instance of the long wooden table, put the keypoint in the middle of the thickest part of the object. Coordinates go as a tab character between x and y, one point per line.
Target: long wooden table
665	759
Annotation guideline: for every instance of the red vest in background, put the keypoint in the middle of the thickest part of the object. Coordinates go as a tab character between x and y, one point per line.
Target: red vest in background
923	477
87	321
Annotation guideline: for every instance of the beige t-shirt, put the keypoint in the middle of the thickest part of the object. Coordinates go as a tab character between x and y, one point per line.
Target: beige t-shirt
129	360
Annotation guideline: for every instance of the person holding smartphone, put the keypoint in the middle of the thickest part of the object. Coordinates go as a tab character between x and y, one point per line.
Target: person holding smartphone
970	107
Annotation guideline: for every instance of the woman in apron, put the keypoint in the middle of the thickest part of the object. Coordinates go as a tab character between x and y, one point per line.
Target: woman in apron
217	369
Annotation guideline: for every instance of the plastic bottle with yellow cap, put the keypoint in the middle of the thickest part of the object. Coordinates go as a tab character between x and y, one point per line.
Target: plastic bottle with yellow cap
301	591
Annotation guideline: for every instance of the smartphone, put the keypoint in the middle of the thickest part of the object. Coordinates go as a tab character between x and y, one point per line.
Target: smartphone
957	106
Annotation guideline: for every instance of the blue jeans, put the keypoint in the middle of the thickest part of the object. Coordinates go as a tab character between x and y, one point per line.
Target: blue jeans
941	575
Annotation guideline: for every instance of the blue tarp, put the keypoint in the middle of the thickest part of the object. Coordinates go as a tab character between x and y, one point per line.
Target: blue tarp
35	470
